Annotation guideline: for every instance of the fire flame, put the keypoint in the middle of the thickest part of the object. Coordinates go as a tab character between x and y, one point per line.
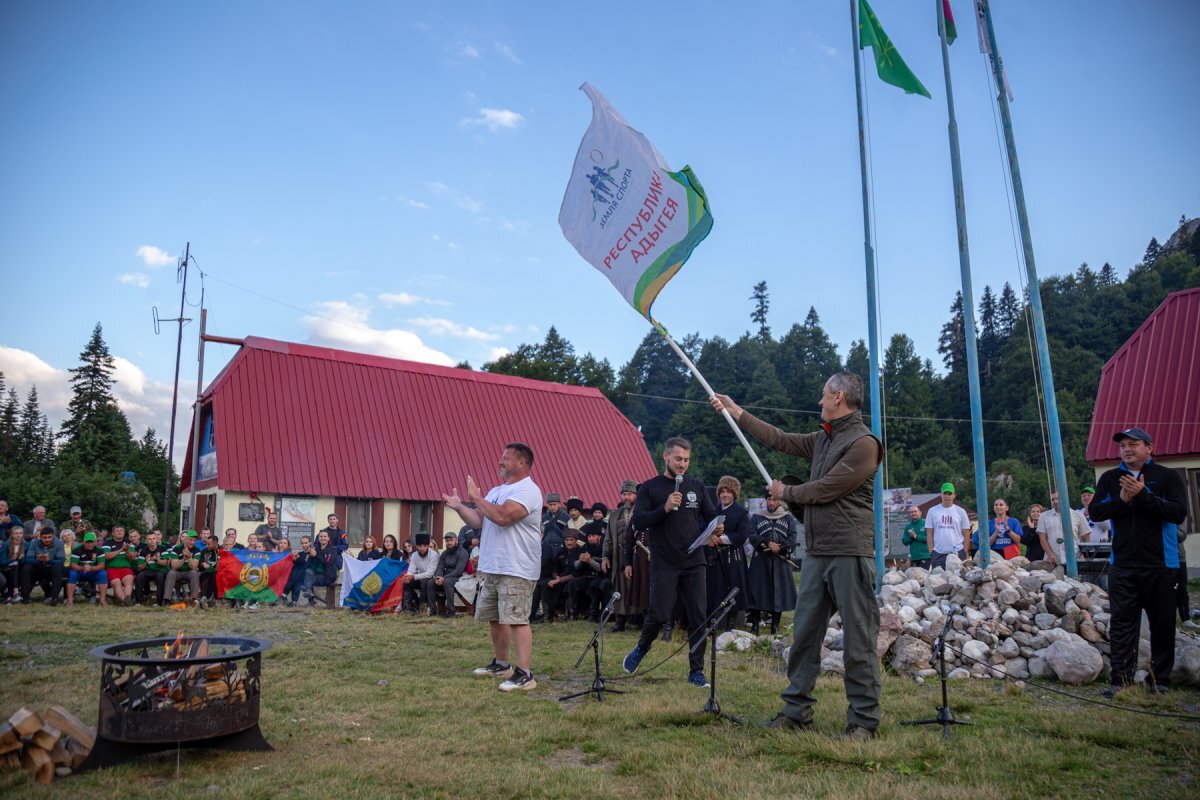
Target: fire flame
175	648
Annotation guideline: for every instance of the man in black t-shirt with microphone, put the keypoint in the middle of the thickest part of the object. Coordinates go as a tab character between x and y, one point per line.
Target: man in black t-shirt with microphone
674	508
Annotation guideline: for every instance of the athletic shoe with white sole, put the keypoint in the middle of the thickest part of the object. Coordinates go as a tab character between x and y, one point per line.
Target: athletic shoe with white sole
495	670
521	680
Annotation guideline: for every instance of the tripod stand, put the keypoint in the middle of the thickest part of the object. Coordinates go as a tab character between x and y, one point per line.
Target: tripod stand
598	688
945	717
713	707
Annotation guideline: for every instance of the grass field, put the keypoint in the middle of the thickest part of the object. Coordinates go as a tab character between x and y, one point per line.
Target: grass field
432	729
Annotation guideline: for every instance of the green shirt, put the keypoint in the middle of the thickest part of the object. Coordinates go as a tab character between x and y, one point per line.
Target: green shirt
914	537
176	552
156	561
80	556
114	556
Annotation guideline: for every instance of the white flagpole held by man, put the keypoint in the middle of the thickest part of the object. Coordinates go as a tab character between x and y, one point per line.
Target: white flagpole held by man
635	220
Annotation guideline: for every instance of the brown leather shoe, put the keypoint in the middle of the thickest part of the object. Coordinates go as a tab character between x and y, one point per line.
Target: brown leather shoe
782	722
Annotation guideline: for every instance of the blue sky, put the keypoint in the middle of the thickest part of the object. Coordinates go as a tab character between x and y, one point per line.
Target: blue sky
386	177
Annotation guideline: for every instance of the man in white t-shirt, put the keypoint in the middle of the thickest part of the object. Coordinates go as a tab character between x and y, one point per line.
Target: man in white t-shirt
1050	529
510	561
948	529
1097	531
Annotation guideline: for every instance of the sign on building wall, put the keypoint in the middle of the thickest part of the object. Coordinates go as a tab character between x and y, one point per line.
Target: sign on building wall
298	517
207	466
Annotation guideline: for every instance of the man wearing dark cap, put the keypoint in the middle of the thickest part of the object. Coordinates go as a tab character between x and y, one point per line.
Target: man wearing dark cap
554	511
614	561
418	581
557	575
450	567
591	587
575	518
1147	504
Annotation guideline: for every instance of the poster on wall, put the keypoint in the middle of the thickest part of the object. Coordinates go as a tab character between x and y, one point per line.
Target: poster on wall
207	464
298	517
896	503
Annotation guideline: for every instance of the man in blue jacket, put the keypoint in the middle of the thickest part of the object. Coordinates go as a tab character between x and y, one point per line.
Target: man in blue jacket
44	559
1146	503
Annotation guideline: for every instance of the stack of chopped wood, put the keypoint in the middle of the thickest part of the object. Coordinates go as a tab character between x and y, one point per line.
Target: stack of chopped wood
47	746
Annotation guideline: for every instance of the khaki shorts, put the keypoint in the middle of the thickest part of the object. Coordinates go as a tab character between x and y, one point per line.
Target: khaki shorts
506	599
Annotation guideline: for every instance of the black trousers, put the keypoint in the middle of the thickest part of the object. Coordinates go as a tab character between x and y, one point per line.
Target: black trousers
148	576
41	573
1131	591
688	587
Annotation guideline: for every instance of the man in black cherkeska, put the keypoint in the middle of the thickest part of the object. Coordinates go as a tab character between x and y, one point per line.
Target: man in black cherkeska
674	519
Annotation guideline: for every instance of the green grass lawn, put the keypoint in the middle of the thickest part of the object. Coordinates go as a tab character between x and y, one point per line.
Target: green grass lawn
435	730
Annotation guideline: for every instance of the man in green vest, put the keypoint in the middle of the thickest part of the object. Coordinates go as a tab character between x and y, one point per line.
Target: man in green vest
839	566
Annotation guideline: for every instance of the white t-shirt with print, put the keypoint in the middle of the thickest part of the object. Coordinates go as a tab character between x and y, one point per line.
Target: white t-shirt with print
947	525
516	549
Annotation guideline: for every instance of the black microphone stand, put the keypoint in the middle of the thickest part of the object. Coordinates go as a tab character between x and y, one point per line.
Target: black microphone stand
945	717
713	707
598	687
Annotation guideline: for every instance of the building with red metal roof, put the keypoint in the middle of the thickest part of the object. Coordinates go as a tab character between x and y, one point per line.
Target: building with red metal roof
310	430
1153	382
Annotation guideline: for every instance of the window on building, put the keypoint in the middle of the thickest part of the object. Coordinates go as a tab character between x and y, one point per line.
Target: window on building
421	518
358	521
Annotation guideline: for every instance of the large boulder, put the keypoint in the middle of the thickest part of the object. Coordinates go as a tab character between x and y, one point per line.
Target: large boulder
893	577
890	626
939	584
1187	664
1074	662
834	662
910	654
1000	569
1056	596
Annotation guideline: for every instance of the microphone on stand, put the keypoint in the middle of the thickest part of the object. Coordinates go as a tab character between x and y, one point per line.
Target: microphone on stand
729	597
612	601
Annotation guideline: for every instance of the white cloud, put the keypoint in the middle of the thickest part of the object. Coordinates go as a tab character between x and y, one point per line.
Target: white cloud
463	201
496	353
507	51
438	326
817	44
153	256
496	119
139	279
469	51
408	201
342	325
146	402
406	299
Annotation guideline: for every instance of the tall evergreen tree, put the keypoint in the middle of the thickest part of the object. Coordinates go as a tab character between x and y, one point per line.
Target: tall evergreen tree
1153	250
762	303
989	334
92	383
1008	311
1108	275
952	343
31	433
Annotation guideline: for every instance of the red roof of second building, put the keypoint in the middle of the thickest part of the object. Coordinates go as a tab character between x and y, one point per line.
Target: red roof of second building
1153	382
304	420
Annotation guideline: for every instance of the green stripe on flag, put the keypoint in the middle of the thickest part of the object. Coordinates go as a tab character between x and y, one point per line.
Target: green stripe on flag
241	592
700	223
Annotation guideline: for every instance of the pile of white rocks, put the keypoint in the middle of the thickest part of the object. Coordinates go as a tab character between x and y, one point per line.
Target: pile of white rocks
1015	620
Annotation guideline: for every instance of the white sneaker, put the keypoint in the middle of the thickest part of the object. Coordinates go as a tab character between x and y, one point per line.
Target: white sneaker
520	681
494	670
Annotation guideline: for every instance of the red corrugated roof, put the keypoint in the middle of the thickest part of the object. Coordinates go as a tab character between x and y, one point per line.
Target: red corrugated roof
303	420
1153	382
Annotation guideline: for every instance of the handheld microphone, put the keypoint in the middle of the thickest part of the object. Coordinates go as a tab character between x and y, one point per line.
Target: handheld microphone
678	484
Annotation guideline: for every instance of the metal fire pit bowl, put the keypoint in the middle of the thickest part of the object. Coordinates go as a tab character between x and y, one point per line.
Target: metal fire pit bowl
149	702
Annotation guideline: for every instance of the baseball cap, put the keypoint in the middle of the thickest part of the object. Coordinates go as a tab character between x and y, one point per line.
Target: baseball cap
89	537
1088	490
192	534
1133	433
947	487
450	535
76	510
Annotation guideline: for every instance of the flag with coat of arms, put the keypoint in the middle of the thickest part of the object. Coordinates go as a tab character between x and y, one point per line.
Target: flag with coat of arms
372	586
253	575
626	212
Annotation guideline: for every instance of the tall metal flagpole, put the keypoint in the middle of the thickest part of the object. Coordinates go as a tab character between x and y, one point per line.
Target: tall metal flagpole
872	320
1035	302
968	295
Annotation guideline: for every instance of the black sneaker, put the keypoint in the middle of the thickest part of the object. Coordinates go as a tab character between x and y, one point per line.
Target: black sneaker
495	670
521	681
857	733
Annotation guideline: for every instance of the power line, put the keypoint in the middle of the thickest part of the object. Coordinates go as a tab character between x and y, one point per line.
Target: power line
919	419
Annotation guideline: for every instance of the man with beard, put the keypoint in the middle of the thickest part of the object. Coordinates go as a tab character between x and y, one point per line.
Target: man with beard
450	567
614	563
674	508
773	537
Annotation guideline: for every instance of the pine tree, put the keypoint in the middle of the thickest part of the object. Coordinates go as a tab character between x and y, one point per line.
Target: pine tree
8	422
31	432
1008	311
1153	251
92	382
1108	275
952	342
762	303
989	334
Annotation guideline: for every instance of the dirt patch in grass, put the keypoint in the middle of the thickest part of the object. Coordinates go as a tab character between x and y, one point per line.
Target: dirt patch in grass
577	758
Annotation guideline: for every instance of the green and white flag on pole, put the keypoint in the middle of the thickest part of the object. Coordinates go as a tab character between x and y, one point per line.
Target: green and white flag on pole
626	212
